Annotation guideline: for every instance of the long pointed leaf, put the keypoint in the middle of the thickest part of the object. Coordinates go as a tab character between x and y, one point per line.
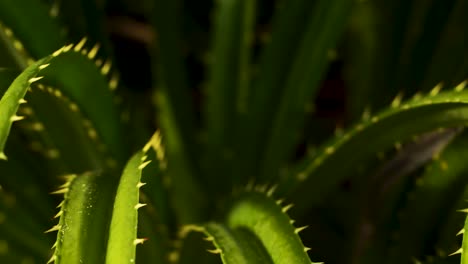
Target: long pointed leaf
84	219
228	86
379	132
123	229
176	111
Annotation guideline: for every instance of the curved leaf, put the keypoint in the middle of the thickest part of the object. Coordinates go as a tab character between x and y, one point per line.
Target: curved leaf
235	246
71	70
264	218
11	100
256	230
319	175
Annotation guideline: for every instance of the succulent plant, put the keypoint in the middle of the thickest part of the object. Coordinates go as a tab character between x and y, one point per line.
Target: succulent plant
221	132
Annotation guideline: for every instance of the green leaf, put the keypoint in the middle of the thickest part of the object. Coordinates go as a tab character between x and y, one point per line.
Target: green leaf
185	188
292	68
84	219
176	113
235	246
228	86
123	229
10	101
289	22
46	117
75	70
316	176
256	230
71	71
23	170
464	248
323	31
264	218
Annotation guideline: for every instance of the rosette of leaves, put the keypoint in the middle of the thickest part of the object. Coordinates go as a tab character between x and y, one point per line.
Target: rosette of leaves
205	166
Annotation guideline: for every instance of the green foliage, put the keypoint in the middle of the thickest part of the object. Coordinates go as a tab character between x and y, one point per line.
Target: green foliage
242	143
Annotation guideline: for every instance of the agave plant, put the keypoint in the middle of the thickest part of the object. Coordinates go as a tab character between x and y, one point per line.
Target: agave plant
210	174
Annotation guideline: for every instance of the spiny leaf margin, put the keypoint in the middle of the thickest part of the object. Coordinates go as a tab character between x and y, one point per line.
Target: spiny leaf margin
395	124
257	212
14	96
123	229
